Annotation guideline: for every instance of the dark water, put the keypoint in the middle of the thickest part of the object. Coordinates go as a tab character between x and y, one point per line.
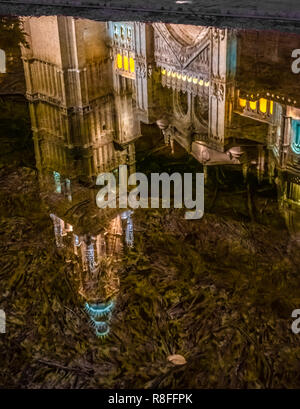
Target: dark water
103	297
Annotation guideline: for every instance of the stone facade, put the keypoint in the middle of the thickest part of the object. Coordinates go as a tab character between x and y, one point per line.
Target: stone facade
92	87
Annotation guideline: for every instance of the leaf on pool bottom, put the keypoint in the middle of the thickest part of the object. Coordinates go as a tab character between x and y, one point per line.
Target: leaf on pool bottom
177	359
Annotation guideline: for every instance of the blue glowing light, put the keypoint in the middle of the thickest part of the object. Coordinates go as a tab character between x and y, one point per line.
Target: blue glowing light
295	136
101	328
76	240
232	56
129	237
98	313
57	182
99	310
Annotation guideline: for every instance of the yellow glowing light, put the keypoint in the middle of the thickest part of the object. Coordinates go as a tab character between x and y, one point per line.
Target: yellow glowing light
243	102
163	71
201	82
184	78
119	61
263	105
207	84
195	80
125	63
132	65
189	79
168	73
271	107
178	76
252	105
173	74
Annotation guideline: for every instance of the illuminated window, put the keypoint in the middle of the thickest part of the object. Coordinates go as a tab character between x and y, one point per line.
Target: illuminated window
58	229
178	76
206	83
57	182
77	242
2	62
125	63
296	136
129	238
122	32
131	64
163	71
184	78
243	102
201	82
195	80
252	105
168	73
116	31
271	107
119	61
263	105
68	190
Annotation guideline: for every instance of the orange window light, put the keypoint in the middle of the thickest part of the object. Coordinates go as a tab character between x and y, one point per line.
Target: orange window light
119	61
263	105
242	102
126	65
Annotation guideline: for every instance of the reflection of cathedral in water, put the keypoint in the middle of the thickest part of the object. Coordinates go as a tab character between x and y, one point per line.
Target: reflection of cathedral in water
93	87
92	84
99	258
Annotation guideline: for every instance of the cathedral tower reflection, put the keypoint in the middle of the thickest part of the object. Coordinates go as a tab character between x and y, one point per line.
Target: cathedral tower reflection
93	87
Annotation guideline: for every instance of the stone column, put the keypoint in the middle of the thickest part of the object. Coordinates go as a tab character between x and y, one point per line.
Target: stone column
221	92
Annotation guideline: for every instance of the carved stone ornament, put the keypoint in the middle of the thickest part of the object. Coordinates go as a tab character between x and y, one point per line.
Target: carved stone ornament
218	91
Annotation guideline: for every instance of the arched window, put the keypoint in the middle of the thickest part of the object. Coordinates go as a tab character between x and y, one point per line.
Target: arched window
263	105
125	59
242	102
57	182
252	105
119	61
2	62
131	64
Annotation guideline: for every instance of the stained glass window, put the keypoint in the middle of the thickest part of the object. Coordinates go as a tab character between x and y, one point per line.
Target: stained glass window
57	182
296	136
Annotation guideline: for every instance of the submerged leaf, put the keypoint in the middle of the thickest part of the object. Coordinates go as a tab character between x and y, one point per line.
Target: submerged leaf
177	359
